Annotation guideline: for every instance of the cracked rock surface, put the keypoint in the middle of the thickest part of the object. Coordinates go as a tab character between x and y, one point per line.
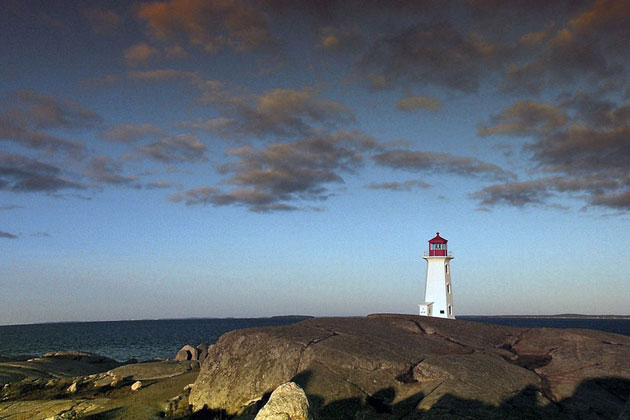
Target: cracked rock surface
405	366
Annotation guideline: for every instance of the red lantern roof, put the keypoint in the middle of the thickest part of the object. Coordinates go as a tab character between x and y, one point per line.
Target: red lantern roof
438	239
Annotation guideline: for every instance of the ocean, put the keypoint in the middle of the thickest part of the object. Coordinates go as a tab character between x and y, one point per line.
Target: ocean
145	340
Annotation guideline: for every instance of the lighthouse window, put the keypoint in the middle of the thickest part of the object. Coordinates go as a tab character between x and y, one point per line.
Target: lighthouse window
448	289
450	310
446	269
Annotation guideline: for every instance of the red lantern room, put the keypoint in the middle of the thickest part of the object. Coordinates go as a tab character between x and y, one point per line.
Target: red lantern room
437	246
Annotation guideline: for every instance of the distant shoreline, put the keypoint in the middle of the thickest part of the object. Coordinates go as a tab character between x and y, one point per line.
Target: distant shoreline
559	316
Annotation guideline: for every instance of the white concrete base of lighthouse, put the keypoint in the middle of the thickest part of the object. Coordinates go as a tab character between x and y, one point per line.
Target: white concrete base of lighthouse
426	309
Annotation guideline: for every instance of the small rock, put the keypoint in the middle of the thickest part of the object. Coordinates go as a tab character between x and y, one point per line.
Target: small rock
136	385
72	388
187	352
188	387
203	352
66	415
288	402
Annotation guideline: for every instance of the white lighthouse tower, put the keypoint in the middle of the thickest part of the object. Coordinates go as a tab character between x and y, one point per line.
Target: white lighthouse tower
438	292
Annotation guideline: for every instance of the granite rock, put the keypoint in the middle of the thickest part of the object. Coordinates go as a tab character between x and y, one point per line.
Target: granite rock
408	366
287	402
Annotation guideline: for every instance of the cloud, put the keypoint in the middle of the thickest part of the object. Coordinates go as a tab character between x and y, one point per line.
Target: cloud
592	110
41	235
45	112
139	53
159	185
104	80
179	148
563	60
106	170
277	112
211	26
525	118
22	174
411	103
276	176
102	21
25	116
617	201
581	144
339	39
160	75
11	207
7	235
582	149
431	162
255	200
594	189
128	133
399	186
516	194
591	46
431	54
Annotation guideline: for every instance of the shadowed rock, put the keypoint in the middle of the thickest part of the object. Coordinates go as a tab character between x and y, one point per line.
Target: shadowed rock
403	364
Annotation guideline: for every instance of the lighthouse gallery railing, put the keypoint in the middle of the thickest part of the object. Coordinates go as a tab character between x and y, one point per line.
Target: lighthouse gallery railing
427	254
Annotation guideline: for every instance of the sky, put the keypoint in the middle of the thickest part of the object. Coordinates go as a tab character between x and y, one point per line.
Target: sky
190	158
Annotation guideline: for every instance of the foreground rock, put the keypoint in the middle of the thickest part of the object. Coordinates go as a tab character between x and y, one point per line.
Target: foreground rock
287	402
410	366
108	394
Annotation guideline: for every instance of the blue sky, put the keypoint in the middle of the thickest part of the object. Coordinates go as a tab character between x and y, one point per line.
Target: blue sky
187	158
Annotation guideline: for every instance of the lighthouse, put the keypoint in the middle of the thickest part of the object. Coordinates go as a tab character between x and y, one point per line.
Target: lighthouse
438	291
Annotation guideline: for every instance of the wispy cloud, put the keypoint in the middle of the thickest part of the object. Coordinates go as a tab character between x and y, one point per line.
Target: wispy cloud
128	133
416	161
173	149
581	142
7	235
276	112
106	170
435	54
22	174
210	26
411	103
140	53
279	175
11	207
408	185
26	117
525	118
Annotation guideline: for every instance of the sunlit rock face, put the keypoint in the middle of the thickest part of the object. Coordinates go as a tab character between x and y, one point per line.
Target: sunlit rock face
409	365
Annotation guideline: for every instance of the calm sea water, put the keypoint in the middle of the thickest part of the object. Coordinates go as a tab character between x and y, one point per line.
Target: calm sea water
617	326
144	340
124	340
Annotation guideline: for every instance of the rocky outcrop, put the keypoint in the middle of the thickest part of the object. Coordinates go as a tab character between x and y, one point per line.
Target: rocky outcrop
161	389
287	402
53	365
189	352
409	365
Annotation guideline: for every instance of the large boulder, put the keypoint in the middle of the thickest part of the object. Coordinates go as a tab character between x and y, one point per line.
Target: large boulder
409	365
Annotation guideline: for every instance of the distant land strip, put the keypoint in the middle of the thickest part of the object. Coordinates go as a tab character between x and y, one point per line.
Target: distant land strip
580	316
